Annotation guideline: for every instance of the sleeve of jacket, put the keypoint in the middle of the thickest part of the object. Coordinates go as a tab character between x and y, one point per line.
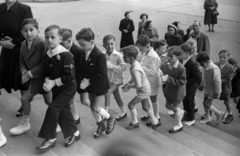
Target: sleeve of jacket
39	68
229	77
152	68
101	69
23	66
121	67
206	45
121	26
196	75
217	80
17	40
181	81
132	27
68	70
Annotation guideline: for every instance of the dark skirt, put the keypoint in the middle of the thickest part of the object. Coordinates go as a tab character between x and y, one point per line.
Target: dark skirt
10	73
209	18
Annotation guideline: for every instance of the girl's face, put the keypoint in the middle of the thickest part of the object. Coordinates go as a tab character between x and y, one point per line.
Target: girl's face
171	30
144	18
223	58
172	58
109	45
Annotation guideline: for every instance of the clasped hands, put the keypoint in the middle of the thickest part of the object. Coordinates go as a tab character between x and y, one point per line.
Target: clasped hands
84	83
7	43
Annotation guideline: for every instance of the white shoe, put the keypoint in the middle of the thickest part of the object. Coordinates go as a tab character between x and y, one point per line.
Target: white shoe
22	127
189	123
206	120
3	140
170	112
58	129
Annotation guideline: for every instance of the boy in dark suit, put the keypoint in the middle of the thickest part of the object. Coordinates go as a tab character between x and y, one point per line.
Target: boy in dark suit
32	52
226	76
58	65
95	79
194	76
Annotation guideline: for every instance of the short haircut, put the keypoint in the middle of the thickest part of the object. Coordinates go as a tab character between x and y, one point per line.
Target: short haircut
186	48
143	40
202	57
108	37
66	34
29	21
159	43
224	52
126	13
147	23
232	61
52	27
199	23
141	16
130	51
175	50
191	41
86	34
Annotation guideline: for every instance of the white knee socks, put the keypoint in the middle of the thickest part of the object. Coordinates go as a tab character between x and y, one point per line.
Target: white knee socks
104	113
134	116
152	116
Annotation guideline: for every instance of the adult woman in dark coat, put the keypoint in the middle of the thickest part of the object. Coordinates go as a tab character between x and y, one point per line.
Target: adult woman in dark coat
172	37
209	18
150	31
126	27
143	18
12	13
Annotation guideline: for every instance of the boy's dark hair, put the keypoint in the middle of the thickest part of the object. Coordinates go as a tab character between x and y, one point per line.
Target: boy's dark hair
126	13
141	16
143	40
52	27
176	23
66	33
224	51
202	57
130	51
158	43
86	34
29	21
186	48
232	61
108	37
175	50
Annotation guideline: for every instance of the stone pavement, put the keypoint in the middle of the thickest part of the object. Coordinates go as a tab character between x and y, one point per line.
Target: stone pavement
103	16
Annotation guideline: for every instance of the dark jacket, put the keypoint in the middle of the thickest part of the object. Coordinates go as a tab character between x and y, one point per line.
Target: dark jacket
193	73
127	38
173	40
203	43
10	25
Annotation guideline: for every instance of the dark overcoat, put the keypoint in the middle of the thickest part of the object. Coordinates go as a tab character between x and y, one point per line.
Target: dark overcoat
209	18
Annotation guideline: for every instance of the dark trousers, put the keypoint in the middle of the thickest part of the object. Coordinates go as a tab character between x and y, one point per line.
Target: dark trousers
188	102
59	112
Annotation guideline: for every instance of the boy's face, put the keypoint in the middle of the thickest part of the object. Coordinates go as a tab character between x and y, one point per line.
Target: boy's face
223	58
85	45
161	50
172	58
183	55
66	43
52	38
109	45
126	58
143	49
203	64
29	32
194	47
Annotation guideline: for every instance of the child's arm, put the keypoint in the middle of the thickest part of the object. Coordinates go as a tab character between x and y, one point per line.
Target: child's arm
197	75
217	82
153	67
229	77
23	66
180	81
121	67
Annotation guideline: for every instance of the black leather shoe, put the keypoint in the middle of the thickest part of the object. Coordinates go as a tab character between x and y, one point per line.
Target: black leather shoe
175	130
149	123
154	127
46	145
19	112
145	118
77	121
72	139
101	128
110	125
121	117
132	126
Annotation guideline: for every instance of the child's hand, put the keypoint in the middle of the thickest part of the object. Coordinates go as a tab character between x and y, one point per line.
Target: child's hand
126	87
84	84
200	87
141	90
110	65
25	77
48	84
216	96
164	78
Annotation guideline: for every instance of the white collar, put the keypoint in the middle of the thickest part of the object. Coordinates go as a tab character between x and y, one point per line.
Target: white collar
151	52
114	52
222	65
210	64
59	49
175	64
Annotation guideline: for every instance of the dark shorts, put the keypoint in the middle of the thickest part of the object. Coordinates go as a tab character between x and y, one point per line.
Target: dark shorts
80	91
224	97
36	86
171	103
99	93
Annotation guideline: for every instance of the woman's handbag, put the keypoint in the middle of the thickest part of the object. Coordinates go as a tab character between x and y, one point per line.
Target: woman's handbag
215	13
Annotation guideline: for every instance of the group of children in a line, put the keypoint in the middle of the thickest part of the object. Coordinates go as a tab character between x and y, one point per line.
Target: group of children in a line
57	68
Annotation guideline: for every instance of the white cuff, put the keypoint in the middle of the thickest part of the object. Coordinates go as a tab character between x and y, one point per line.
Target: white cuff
58	82
29	72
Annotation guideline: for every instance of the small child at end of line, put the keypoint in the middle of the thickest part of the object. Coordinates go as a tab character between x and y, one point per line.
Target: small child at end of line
32	52
211	84
174	85
226	76
139	81
115	68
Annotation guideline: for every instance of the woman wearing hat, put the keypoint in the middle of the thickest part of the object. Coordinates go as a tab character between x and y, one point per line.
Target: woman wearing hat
143	18
150	31
172	37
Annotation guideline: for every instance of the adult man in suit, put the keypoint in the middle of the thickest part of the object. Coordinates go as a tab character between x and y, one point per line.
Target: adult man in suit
193	75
